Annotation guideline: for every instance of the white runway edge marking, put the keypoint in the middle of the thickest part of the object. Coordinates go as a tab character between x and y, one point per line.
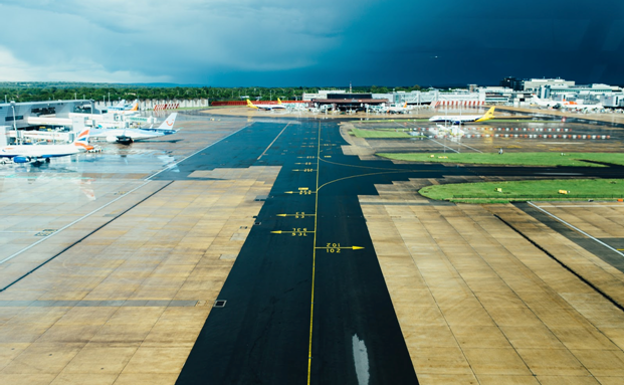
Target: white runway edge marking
575	228
360	358
71	224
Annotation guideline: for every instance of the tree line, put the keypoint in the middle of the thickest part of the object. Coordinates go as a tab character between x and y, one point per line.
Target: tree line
38	91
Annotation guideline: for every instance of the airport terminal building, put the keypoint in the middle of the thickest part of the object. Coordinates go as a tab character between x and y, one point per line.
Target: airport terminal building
19	116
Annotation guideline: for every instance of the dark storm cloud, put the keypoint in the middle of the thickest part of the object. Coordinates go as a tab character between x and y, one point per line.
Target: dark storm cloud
244	42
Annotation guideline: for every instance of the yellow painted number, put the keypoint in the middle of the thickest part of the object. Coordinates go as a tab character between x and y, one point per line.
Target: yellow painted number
299	232
333	248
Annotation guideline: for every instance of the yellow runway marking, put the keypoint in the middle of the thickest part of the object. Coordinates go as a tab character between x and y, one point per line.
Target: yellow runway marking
357	176
336	248
301	232
297	215
318	157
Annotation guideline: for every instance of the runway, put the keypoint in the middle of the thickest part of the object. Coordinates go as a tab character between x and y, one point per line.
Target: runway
300	300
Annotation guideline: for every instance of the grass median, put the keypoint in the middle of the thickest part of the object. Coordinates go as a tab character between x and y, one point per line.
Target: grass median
552	159
534	190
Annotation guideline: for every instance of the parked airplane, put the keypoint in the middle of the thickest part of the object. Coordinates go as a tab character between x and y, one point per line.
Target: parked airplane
129	135
267	107
394	109
535	101
461	119
43	152
122	106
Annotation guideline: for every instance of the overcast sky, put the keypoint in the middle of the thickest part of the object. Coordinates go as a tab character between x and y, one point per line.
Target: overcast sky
311	43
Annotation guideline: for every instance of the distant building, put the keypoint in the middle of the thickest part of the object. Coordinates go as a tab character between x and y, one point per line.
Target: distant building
513	83
345	101
496	95
535	84
20	116
588	93
322	94
615	100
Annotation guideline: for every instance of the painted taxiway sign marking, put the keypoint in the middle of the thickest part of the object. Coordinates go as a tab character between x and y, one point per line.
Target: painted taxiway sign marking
336	248
297	215
296	232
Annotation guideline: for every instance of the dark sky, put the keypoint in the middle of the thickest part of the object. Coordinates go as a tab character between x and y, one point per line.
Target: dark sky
286	43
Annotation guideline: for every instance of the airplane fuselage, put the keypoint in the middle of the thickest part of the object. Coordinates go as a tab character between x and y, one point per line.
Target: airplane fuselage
112	135
455	118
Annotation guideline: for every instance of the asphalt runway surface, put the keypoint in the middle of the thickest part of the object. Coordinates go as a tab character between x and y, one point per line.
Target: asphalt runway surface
306	301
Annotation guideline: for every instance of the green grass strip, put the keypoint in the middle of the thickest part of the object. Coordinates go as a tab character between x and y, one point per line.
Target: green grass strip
533	190
574	159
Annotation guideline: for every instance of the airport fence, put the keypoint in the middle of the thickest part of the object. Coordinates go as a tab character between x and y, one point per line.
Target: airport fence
226	103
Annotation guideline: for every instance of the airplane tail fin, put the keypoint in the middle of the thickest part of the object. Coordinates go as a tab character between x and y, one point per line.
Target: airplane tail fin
279	101
405	105
135	106
250	104
169	122
82	140
488	115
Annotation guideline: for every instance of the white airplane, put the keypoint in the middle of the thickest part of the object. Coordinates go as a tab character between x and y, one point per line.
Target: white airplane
565	104
460	119
535	101
122	106
43	152
119	105
394	109
267	107
129	135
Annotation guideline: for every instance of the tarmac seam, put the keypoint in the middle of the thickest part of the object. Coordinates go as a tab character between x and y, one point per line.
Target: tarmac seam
577	275
575	228
70	224
87	235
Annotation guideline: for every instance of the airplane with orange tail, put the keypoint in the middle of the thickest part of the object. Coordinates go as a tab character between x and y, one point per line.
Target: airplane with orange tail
125	107
26	153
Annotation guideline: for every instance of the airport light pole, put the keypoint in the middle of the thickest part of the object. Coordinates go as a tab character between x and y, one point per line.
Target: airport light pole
14	122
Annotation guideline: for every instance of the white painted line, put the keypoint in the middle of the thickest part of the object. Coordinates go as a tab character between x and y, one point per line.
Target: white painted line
71	224
278	135
435	141
575	228
471	148
172	165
